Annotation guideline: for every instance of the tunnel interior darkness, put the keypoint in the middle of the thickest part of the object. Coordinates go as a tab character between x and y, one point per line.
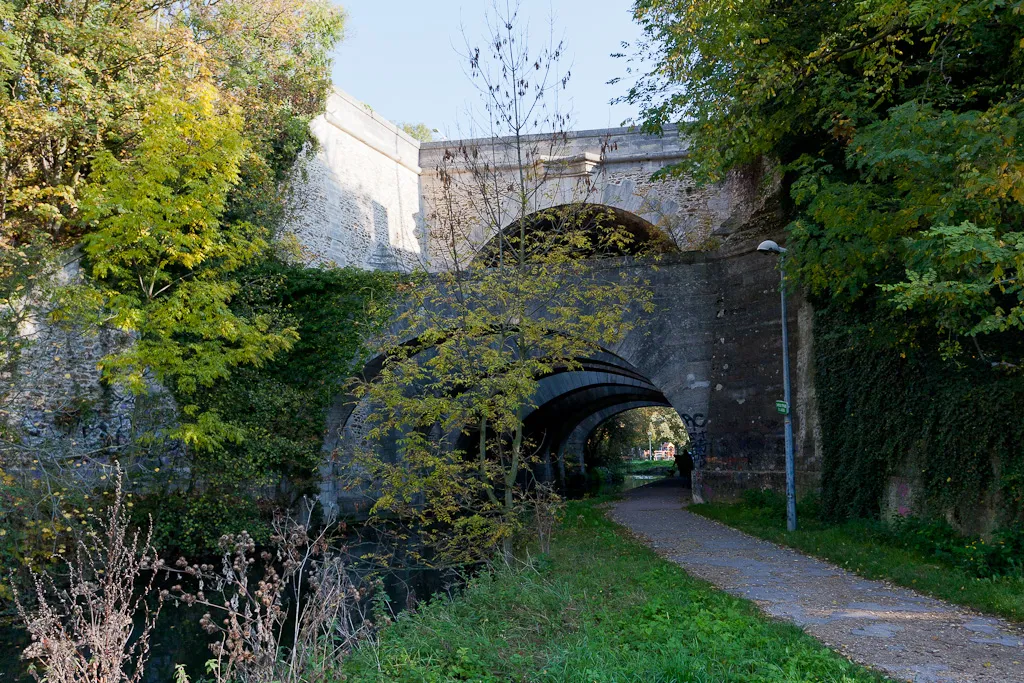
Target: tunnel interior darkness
571	403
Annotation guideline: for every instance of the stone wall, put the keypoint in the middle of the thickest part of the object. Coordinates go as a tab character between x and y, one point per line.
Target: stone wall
745	433
358	203
55	406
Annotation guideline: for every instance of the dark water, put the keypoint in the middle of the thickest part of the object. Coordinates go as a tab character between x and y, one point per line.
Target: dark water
178	639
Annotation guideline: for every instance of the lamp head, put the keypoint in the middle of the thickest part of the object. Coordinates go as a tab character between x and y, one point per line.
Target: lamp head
770	247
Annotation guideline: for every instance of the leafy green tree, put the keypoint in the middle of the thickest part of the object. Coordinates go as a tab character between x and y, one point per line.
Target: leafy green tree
895	126
501	315
277	410
160	138
79	77
665	425
420	131
160	257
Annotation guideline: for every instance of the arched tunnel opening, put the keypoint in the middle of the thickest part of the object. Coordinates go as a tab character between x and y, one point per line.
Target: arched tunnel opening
569	405
637	445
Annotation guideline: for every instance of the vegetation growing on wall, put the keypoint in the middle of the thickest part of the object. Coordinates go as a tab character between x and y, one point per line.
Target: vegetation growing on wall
897	128
275	413
889	408
419	131
161	138
82	79
897	125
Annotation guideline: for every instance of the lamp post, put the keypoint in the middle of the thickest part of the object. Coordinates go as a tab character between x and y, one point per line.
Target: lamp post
770	247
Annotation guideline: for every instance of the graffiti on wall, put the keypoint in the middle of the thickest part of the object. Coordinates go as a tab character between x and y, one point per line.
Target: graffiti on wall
695	427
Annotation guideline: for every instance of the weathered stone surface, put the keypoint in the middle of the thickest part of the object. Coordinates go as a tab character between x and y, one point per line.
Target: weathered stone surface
359	202
711	349
55	406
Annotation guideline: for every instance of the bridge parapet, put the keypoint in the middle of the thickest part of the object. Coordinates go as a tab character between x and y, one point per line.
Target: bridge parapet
611	168
370	195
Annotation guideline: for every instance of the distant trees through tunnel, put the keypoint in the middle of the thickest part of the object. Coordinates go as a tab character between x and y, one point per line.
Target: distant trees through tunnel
642	434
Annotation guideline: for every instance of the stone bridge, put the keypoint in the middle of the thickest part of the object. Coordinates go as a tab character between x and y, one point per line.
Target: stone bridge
712	347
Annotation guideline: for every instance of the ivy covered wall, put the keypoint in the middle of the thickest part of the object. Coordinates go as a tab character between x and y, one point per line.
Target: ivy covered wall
906	432
276	411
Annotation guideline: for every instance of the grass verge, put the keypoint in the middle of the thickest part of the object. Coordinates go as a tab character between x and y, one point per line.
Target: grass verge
857	545
600	607
651	466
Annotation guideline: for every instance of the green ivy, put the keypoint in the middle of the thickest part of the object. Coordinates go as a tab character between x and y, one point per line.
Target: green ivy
888	407
277	410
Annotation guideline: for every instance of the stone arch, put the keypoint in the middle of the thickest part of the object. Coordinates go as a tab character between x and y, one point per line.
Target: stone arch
647	238
712	346
612	168
600	385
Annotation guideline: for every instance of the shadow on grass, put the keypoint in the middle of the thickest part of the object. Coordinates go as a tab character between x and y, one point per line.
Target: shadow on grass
599	607
864	547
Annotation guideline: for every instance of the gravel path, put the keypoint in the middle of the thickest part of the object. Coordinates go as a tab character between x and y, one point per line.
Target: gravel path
906	635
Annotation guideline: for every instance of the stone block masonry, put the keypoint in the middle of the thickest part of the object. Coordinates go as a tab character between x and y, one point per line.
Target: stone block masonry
56	407
359	202
365	198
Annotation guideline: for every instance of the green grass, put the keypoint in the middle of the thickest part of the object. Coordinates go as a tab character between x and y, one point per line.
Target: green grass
651	466
600	607
859	547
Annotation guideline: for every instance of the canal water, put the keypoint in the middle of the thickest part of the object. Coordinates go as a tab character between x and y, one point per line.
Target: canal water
178	639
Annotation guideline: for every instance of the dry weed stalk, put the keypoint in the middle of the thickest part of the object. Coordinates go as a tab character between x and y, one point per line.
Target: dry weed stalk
329	612
548	507
85	631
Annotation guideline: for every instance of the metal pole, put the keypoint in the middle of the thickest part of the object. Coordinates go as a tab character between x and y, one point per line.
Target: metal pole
790	467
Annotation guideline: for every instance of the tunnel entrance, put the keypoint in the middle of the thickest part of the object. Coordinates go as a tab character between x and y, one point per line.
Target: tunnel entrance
709	350
571	404
637	446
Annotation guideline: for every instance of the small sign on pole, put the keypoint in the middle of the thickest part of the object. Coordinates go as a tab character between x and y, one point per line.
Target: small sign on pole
782	407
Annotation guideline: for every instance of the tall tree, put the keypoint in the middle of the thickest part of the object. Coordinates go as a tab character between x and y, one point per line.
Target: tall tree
896	125
159	137
506	309
83	81
161	258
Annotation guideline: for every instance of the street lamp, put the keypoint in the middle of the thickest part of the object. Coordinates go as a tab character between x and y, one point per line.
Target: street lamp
770	247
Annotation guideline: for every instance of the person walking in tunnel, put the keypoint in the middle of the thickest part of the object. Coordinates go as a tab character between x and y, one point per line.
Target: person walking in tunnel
684	463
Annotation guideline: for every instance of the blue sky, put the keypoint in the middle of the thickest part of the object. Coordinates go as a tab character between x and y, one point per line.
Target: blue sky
399	56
